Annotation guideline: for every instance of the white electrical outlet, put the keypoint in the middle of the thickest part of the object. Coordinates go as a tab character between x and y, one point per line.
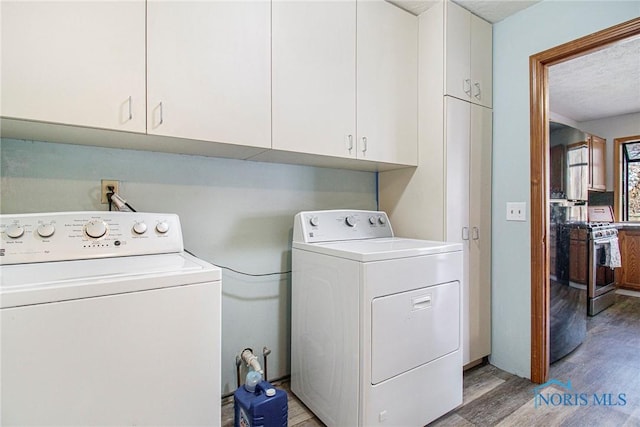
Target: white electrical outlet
104	184
516	211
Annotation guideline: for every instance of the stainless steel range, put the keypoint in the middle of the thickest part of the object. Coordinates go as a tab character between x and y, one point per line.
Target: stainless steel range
604	256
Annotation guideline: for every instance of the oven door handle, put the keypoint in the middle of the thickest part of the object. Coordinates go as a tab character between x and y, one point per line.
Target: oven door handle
608	240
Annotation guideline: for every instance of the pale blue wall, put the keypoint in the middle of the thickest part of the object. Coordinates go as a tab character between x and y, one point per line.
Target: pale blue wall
540	27
234	213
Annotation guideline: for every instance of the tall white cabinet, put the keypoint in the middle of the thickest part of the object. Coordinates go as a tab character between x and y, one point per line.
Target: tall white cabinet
448	196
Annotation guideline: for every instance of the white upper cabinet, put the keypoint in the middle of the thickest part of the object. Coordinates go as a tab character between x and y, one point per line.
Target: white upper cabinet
387	76
468	52
330	100
314	77
75	63
208	71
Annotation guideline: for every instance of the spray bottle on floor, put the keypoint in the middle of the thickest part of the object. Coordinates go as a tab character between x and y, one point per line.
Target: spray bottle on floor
257	403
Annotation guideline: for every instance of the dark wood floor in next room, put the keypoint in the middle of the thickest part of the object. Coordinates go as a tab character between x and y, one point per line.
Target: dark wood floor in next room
607	363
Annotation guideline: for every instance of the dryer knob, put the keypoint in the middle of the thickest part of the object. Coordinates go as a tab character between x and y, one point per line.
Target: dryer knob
372	220
95	228
139	228
314	221
14	231
382	220
162	227
350	220
46	230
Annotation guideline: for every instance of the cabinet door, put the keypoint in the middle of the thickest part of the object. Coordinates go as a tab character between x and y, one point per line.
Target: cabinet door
387	83
457	134
314	77
209	71
558	168
578	260
479	293
75	63
629	275
481	62
457	51
597	163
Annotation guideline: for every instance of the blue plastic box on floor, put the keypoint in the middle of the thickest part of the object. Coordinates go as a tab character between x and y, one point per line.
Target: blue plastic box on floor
264	406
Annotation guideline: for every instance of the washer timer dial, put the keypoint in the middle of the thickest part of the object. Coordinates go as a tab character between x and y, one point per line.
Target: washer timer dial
95	228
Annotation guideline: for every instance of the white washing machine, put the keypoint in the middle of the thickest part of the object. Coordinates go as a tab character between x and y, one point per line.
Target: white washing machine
375	323
105	320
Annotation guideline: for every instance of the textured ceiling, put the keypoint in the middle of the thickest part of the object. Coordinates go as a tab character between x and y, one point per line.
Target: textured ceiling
489	10
602	84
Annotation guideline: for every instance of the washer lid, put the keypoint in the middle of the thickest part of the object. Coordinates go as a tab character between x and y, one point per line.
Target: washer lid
25	284
380	249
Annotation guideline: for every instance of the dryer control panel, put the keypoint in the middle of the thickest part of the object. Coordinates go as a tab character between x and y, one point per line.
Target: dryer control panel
337	225
63	236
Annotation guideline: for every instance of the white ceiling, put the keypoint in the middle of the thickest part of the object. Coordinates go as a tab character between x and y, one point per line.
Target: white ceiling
602	84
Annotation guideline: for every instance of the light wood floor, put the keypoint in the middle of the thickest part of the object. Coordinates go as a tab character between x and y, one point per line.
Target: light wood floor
607	362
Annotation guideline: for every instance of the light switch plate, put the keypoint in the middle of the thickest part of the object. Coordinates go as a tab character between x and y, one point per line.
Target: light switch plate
516	211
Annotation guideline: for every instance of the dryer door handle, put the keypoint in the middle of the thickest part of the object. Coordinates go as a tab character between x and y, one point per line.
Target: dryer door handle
421	302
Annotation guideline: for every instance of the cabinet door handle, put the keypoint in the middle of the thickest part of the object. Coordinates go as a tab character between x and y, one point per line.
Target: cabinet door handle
466	86
475	233
161	114
478	94
130	112
465	233
364	144
350	142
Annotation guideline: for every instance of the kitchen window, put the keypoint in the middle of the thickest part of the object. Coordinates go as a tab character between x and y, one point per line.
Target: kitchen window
631	181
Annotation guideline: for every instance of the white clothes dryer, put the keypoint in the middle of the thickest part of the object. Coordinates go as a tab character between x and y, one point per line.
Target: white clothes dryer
105	320
375	323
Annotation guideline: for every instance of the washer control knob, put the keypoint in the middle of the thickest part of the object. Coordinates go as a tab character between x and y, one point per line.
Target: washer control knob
382	219
372	220
314	221
139	228
162	227
95	228
14	231
350	220
46	230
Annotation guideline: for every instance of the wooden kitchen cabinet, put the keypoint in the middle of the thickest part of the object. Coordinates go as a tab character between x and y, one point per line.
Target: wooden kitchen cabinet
578	255
75	63
557	162
209	71
469	53
629	275
597	163
345	80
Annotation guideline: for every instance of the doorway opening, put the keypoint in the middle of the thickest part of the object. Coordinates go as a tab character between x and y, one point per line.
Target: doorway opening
539	110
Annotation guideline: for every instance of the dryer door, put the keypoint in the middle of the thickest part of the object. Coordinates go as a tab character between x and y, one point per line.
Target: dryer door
412	328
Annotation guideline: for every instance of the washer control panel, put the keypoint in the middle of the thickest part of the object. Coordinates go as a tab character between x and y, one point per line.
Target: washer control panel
28	238
336	225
